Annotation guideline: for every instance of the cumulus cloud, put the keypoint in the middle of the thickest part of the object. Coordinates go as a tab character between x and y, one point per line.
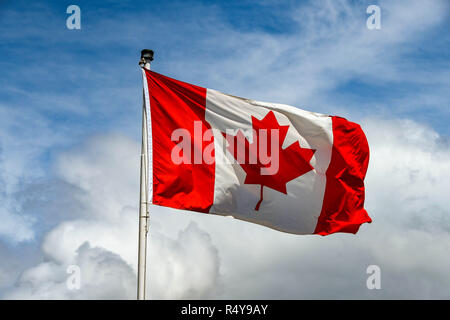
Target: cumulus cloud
174	273
102	275
185	268
102	241
408	167
408	239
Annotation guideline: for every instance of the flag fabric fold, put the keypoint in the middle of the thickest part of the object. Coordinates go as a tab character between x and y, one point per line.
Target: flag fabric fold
267	163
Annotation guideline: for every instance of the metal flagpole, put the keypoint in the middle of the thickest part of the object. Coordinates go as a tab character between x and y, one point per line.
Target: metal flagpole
146	58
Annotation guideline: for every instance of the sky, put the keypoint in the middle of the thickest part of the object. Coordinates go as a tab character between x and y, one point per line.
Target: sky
70	108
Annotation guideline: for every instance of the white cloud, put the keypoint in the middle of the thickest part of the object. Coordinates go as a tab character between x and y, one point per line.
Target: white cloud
103	275
408	239
187	268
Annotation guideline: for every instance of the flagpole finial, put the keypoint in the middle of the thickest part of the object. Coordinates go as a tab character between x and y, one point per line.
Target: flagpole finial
146	58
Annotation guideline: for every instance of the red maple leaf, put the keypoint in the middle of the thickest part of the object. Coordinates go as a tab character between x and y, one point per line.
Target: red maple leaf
293	161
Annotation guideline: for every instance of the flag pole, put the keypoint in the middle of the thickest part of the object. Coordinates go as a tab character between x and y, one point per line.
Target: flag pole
146	58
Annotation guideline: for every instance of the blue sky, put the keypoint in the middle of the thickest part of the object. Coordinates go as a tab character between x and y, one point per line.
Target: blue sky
62	91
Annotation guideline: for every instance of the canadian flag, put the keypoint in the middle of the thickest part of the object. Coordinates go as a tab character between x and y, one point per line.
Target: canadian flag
272	164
